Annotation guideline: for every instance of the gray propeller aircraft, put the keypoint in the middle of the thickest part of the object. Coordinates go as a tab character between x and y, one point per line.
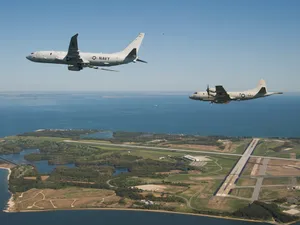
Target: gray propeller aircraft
220	96
77	60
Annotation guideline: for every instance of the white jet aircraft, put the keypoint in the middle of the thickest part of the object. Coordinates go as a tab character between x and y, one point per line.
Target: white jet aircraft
220	96
77	60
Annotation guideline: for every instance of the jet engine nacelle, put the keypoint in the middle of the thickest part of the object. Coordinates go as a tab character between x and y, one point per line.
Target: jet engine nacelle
73	68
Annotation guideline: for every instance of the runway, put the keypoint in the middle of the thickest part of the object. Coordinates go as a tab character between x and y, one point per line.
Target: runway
231	179
174	149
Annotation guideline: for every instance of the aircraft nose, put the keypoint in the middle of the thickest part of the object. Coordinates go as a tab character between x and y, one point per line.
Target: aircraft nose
191	96
28	57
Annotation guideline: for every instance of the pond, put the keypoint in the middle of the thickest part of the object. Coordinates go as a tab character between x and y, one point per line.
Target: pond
42	166
120	170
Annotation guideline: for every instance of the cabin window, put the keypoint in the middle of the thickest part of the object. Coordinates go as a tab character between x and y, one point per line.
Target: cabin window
50	53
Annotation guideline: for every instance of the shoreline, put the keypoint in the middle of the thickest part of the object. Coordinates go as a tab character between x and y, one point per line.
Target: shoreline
148	210
10	209
10	204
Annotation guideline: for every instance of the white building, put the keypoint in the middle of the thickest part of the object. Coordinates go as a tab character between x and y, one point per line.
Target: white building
192	158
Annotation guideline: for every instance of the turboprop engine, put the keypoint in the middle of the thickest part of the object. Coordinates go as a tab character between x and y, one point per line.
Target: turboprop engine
73	68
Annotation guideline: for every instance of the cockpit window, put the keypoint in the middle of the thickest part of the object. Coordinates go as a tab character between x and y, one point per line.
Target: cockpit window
195	93
32	53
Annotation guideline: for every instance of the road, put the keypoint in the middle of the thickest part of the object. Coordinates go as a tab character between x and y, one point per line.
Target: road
267	185
174	149
233	176
294	179
259	181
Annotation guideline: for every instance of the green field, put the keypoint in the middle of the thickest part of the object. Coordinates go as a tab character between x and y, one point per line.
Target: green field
242	145
166	172
278	180
272	193
242	192
269	147
246	182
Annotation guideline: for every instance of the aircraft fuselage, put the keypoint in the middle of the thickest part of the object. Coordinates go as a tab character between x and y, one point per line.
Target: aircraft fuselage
234	96
92	59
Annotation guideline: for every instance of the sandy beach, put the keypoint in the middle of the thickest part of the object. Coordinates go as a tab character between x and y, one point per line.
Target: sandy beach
10	203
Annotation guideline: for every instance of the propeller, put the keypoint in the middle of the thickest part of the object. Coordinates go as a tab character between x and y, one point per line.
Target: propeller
207	90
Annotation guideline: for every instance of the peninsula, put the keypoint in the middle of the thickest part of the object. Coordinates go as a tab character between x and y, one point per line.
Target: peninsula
233	177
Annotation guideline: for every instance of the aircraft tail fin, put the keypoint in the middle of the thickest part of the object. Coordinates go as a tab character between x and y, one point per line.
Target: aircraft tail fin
262	87
135	44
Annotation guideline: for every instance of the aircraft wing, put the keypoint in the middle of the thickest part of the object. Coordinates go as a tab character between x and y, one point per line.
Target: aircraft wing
221	93
73	55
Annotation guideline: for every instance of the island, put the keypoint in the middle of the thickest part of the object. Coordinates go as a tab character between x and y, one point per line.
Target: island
245	178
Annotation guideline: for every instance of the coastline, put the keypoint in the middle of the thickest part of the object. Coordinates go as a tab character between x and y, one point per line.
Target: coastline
10	204
11	209
148	210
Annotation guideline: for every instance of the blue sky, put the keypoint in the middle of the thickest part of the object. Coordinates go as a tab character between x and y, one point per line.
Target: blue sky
188	44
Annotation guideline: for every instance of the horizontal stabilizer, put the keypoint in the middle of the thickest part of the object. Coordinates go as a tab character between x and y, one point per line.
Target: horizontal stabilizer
139	60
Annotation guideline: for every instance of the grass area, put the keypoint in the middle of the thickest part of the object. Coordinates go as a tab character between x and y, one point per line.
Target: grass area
246	182
242	146
201	189
156	154
216	204
36	139
147	180
185	178
268	193
242	192
269	147
249	166
220	165
278	180
65	198
236	204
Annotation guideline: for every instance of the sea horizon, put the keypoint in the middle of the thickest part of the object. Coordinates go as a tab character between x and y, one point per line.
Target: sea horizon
156	114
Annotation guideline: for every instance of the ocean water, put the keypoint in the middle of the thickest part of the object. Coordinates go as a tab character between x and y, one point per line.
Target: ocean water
97	217
271	116
21	112
4	193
